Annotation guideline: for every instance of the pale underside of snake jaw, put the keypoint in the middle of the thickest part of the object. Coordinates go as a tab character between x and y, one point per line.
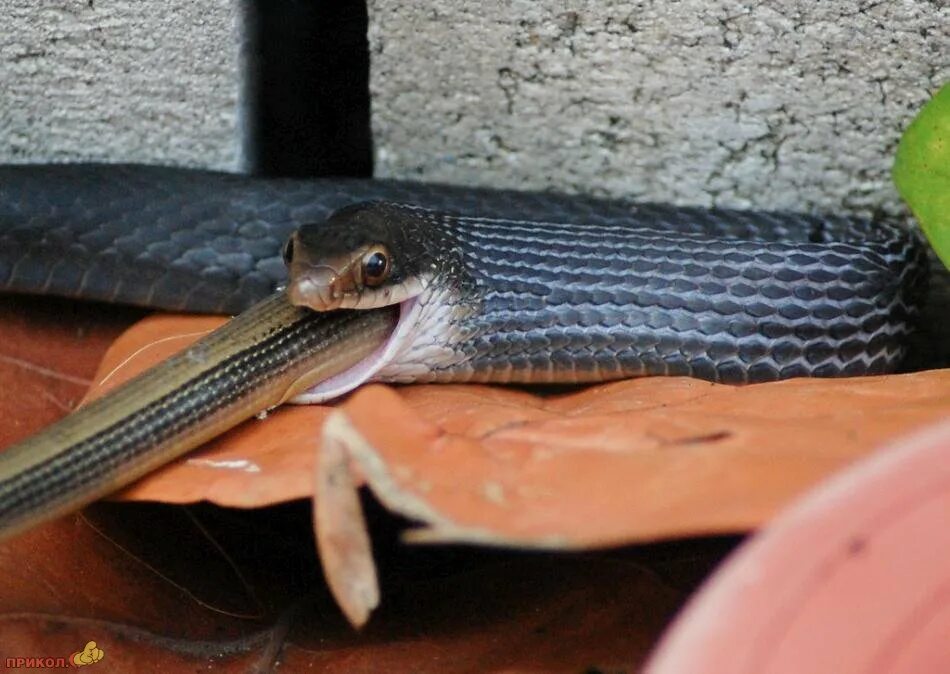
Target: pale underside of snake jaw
426	335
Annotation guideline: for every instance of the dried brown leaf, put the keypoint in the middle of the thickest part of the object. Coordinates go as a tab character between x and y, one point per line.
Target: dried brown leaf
609	464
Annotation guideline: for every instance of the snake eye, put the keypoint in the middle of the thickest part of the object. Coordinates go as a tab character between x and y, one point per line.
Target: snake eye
288	251
375	267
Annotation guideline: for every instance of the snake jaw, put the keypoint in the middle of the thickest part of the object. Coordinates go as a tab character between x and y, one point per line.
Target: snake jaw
419	325
367	369
324	288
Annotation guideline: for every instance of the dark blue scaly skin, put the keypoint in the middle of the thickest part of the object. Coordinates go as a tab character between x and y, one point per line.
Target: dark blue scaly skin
515	301
210	242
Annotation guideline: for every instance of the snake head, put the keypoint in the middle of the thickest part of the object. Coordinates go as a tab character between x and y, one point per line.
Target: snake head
363	256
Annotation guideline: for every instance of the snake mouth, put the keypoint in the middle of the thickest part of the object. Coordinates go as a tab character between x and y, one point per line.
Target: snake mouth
366	369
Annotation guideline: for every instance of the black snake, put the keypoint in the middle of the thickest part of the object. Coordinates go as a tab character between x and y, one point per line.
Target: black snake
555	287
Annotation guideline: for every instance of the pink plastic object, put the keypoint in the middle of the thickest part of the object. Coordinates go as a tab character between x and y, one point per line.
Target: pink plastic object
855	577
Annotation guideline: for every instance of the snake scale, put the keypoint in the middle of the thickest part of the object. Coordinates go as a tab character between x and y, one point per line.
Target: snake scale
531	287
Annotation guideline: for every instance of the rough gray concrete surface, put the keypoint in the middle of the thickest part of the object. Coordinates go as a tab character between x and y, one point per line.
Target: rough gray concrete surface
120	80
795	104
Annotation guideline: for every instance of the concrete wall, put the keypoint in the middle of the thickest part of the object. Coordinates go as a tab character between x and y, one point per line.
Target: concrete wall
122	80
778	104
794	104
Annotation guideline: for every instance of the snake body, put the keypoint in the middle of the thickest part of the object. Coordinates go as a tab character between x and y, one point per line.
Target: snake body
255	362
540	302
486	286
532	287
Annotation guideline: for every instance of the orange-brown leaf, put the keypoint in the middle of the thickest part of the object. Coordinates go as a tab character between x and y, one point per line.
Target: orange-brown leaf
614	463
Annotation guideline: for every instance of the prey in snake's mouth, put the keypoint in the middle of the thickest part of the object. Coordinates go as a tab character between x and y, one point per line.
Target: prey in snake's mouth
364	257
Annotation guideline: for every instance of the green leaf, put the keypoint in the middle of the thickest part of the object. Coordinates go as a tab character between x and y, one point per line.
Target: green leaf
922	171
